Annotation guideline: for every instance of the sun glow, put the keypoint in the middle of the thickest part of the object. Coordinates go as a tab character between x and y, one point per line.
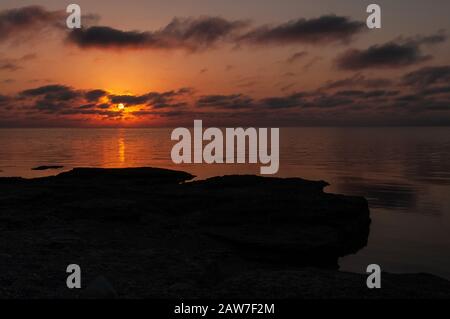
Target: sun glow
121	106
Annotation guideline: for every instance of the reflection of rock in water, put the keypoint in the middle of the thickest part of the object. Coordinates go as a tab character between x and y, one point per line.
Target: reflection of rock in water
384	194
152	235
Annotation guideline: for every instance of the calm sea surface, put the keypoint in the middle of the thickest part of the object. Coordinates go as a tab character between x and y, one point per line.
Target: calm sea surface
403	172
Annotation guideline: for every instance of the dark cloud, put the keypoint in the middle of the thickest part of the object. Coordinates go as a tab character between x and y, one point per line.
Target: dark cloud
86	106
394	54
4	99
181	33
366	94
103	106
422	93
421	103
15	64
246	84
201	32
185	91
129	99
52	98
246	81
29	57
8	81
95	95
291	101
389	55
298	100
105	113
59	99
321	99
53	92
312	62
313	99
166	114
432	39
358	80
287	86
49	106
106	37
234	101
436	90
330	101
325	29
284	102
28	19
428	76
9	66
167	99
153	99
296	57
191	34
195	34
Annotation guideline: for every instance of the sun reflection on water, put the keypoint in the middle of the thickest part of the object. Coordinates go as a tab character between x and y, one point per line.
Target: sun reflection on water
121	150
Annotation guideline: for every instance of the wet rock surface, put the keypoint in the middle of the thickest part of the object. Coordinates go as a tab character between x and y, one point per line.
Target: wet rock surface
156	234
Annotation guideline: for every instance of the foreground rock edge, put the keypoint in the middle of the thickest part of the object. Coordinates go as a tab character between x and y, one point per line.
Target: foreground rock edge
214	257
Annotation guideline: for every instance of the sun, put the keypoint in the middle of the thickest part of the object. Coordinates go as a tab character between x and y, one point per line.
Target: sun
121	106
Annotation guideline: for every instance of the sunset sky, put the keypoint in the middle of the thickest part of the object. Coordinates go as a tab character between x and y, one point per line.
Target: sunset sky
240	63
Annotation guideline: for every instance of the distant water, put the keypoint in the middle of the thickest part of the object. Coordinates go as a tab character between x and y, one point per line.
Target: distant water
403	172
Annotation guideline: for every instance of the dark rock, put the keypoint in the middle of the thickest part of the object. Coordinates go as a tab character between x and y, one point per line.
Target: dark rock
281	220
44	168
146	174
312	283
100	288
160	236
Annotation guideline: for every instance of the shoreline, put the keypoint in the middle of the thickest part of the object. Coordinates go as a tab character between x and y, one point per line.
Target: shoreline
153	234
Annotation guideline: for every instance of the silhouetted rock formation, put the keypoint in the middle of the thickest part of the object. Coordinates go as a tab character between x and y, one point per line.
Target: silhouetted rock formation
44	168
286	221
154	234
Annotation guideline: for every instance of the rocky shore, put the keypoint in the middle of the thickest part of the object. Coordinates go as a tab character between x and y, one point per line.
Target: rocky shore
154	233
